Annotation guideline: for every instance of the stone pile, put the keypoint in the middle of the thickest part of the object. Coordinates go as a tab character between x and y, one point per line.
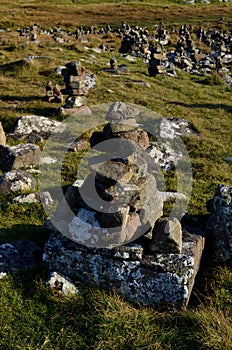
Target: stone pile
139	42
117	203
143	43
76	89
186	56
116	192
53	93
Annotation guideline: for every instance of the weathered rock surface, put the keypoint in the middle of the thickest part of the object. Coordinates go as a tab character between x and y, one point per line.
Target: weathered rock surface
83	110
166	236
138	136
19	256
219	226
163	281
164	154
40	197
20	156
120	111
2	136
62	284
173	127
79	145
16	181
111	172
29	125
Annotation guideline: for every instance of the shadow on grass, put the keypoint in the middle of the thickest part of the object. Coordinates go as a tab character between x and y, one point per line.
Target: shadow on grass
92	319
227	108
37	233
16	99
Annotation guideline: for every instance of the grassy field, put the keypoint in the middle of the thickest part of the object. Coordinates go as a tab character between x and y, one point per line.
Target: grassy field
33	317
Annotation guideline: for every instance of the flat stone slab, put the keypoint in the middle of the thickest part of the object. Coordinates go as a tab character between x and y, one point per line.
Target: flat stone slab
36	125
162	281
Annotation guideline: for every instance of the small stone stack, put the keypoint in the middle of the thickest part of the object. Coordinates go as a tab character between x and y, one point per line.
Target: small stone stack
157	64
76	89
53	93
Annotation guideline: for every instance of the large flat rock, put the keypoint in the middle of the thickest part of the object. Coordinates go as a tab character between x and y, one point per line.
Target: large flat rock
162	281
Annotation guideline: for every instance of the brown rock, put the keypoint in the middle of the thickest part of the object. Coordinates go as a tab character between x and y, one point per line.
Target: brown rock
138	136
79	145
111	172
115	127
166	236
83	110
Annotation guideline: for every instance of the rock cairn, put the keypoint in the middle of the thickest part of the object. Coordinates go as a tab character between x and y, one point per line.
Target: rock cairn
76	89
109	230
119	194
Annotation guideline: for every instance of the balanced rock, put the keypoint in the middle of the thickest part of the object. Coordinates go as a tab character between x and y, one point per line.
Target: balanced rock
120	111
112	171
120	200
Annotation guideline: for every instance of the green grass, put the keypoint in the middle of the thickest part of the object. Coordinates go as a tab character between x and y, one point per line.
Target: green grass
38	318
34	317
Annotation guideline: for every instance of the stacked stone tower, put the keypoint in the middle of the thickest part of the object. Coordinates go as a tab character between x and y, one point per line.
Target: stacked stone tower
119	194
76	89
